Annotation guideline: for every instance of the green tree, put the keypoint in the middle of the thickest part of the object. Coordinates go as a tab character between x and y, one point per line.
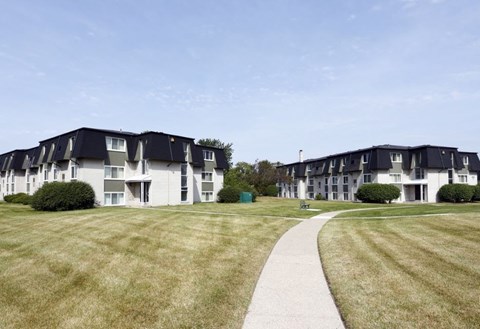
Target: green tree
264	175
227	147
241	174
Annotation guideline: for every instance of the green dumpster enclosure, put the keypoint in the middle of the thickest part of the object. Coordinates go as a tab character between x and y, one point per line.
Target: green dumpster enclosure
246	197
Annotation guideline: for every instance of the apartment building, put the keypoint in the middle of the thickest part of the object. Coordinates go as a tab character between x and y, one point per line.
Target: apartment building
418	172
124	168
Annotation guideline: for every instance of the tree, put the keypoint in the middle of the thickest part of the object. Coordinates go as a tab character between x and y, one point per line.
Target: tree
241	174
227	147
264	175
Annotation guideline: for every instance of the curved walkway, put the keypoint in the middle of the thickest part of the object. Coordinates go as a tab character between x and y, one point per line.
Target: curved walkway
292	291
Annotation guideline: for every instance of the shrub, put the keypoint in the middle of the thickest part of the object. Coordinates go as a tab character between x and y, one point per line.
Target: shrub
22	198
58	196
271	190
378	193
229	194
476	194
319	196
457	193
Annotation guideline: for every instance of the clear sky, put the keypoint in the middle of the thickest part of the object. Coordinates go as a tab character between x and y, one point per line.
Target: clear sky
269	76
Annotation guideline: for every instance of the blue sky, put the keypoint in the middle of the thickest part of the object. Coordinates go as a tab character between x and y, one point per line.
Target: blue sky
271	76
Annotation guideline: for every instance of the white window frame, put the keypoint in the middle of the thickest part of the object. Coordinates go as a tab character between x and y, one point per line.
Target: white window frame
111	145
333	163
365	158
109	196
345	180
207	196
73	171
205	174
55	172
334	180
396	178
108	172
367	181
184	187
465	160
208	155
396	157
463	179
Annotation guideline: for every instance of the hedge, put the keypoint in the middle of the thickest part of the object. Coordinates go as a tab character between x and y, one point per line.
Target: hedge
59	196
377	193
22	198
457	193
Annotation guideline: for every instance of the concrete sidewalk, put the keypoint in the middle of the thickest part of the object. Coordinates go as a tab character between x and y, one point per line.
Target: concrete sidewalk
292	291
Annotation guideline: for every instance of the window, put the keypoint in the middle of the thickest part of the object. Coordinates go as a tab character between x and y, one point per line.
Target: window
334	192
326	180
114	172
310	182
419	173
450	176
365	158
345	196
115	144
463	179
396	178
309	168
207	196
144	164
114	199
55	172
334	180
465	160
73	171
28	181
207	176
319	184
396	157
345	180
45	174
184	182
208	155
367	178
333	163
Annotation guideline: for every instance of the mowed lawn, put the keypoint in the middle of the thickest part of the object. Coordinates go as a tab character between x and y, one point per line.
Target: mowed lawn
131	268
405	272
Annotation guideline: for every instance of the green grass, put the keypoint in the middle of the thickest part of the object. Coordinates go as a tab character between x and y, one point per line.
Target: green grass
130	268
196	266
278	207
405	272
415	209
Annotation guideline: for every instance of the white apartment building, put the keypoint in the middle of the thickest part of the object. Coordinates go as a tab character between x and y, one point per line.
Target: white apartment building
147	169
418	172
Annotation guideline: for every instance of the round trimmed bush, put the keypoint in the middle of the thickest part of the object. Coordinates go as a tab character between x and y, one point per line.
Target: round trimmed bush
456	193
378	193
271	190
319	196
59	196
22	198
229	194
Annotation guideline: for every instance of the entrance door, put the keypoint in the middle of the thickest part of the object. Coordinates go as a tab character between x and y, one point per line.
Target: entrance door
418	194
